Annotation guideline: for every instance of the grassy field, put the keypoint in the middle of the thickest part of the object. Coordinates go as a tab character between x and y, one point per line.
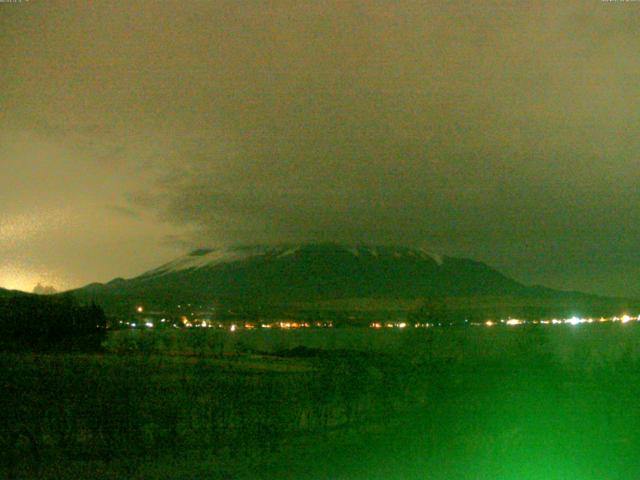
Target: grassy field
469	403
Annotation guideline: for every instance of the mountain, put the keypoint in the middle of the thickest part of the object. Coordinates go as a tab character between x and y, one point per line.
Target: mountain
332	276
312	272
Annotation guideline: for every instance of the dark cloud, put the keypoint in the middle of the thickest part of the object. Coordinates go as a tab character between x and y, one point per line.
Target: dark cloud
502	131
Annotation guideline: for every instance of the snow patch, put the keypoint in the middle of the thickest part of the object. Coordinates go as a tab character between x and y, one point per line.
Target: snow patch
433	256
289	252
208	258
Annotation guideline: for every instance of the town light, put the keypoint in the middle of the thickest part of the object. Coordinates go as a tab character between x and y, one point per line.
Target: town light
574	321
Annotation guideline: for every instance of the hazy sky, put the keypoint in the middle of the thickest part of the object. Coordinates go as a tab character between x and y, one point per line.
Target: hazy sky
503	131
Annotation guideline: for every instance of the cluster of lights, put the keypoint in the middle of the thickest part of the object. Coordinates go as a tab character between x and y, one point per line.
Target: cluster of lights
561	321
185	322
512	322
287	325
401	325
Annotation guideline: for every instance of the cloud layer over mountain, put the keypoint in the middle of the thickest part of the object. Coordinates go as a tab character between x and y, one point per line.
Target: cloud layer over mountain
494	130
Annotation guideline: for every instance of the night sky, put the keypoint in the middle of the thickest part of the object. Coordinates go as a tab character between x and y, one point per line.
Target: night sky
131	132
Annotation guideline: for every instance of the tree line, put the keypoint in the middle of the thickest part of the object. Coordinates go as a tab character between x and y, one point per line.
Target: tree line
50	322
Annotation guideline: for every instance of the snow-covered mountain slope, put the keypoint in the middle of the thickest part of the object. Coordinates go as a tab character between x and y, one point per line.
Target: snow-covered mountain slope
208	257
211	258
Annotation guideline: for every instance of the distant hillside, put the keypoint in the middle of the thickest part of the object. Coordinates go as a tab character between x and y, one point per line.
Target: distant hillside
321	275
4	293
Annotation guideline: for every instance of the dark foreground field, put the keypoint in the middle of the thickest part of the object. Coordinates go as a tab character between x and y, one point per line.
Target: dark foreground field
476	403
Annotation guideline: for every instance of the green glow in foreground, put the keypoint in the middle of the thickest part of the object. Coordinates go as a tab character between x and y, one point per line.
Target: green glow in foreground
540	424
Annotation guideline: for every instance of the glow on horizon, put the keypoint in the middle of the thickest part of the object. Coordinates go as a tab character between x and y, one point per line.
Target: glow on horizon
23	278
